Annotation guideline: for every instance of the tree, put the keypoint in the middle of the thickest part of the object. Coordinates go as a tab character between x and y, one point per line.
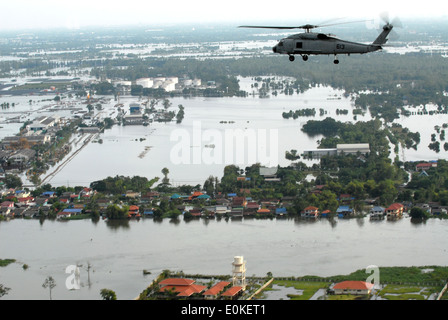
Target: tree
3	290
13	181
165	180
166	104
49	283
115	212
292	155
210	186
107	294
418	213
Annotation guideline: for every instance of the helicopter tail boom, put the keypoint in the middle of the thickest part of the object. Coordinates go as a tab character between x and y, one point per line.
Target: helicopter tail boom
382	38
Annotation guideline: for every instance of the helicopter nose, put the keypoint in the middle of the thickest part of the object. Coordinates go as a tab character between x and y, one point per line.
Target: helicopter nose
274	49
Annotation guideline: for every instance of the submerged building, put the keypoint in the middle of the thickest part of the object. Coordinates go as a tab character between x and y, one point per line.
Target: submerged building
347	148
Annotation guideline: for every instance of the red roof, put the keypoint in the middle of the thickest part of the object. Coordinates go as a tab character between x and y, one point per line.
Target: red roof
395	206
184	291
25	199
424	165
176	282
195	195
194	288
232	291
7	204
353	285
311	208
252	205
217	288
133	208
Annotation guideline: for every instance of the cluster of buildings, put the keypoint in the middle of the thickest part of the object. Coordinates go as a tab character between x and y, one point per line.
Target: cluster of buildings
169	84
166	83
235	207
188	288
16	152
21	203
42	130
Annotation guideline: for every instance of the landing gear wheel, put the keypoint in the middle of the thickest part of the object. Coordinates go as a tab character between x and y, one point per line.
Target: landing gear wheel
336	61
305	58
291	58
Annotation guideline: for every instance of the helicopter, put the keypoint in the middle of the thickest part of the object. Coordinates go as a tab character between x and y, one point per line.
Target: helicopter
311	43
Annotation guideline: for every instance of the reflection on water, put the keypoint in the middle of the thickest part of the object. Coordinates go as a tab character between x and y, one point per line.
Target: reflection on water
118	252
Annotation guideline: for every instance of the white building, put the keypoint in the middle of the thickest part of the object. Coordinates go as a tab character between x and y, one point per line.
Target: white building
168	86
145	82
353	148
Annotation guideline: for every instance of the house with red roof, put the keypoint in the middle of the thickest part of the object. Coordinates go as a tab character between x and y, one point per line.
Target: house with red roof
310	212
214	291
183	287
263	211
6	207
239	202
325	213
195	212
7	204
425	166
251	208
134	212
232	292
353	287
25	201
394	211
195	195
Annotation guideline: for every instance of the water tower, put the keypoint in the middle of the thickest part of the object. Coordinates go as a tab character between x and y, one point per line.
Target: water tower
239	272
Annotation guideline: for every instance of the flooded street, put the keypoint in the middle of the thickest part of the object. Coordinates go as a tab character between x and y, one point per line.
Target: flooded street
118	253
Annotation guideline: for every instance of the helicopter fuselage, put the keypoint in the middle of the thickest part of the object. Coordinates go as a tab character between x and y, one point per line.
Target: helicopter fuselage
309	43
318	43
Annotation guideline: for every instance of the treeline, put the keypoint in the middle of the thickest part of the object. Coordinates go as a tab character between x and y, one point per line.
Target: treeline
121	184
431	187
416	78
372	132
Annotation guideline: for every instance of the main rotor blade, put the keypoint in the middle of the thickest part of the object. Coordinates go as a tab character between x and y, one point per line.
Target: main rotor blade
269	27
334	24
305	26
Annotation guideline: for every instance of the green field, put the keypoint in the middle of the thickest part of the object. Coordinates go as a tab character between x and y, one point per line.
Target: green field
397	283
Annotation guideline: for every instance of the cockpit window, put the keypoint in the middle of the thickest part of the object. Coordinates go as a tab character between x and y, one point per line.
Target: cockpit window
280	44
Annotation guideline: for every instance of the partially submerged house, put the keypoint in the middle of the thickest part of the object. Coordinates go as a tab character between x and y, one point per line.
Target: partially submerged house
310	212
344	211
394	211
377	213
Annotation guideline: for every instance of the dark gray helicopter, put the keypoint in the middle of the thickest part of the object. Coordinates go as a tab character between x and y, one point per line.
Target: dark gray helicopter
309	43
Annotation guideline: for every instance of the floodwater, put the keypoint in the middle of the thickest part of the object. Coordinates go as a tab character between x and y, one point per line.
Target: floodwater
118	253
208	138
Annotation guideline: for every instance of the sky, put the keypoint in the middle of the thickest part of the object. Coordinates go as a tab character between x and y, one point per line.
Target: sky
45	14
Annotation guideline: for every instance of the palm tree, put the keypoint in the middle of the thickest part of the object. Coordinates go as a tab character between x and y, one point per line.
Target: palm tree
165	172
49	283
